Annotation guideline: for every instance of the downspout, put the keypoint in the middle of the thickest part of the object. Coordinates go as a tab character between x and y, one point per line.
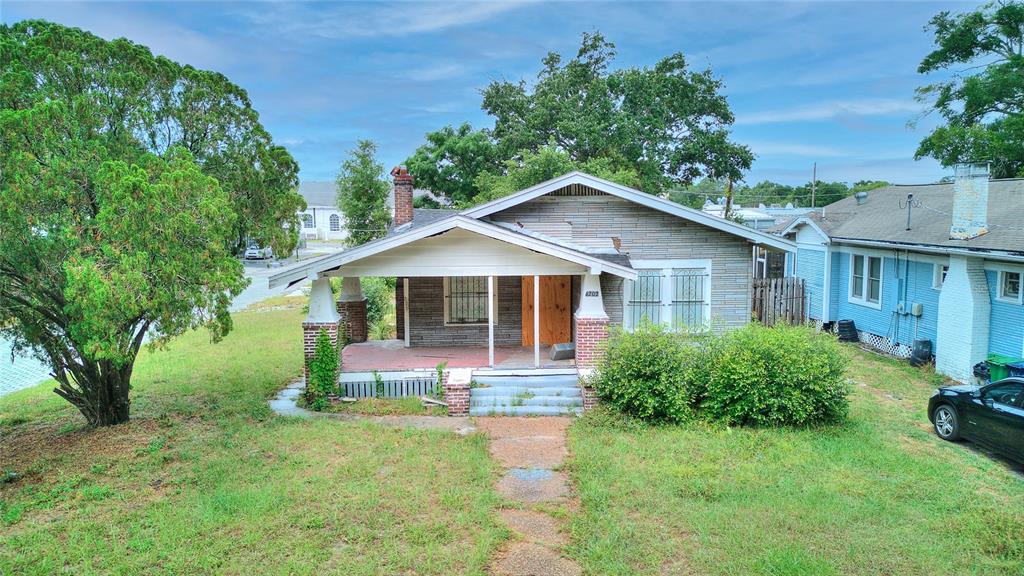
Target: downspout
826	289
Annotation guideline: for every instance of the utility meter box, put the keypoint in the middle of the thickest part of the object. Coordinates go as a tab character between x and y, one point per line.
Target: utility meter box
916	309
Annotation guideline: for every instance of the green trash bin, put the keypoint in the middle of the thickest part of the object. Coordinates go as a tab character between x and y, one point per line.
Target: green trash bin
997	366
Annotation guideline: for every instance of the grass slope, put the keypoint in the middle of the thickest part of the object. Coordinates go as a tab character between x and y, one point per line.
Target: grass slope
205	480
877	495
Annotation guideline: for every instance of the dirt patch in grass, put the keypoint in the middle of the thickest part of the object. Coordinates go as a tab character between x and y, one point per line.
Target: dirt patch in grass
21	449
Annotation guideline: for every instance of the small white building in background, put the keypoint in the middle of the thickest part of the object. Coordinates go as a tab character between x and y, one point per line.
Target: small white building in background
323	220
760	218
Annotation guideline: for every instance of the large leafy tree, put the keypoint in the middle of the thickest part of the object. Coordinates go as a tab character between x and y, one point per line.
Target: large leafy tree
452	159
363	195
982	103
667	124
126	180
547	163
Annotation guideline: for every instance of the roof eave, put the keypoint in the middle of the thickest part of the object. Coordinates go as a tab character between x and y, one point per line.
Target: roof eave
329	262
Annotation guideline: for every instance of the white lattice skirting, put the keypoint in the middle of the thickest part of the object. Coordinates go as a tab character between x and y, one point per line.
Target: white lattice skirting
885	345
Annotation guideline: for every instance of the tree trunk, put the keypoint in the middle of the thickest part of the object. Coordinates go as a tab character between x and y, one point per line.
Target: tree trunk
98	389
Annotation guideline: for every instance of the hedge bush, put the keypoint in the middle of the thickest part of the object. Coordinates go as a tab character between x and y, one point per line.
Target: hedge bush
651	373
754	375
783	375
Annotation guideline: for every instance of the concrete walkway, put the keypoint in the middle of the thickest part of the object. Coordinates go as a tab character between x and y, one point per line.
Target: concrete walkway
532	450
285	403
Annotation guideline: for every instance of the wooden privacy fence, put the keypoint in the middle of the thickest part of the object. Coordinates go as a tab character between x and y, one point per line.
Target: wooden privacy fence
779	300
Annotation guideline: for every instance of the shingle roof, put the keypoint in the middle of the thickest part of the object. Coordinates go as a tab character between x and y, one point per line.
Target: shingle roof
422	217
319	192
883	217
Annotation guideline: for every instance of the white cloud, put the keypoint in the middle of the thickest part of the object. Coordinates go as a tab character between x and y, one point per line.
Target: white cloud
350	20
789	149
829	110
113	21
443	71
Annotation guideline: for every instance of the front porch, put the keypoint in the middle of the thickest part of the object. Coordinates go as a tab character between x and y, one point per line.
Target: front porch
392	355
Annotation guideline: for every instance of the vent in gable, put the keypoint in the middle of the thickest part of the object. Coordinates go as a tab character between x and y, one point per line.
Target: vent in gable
577	190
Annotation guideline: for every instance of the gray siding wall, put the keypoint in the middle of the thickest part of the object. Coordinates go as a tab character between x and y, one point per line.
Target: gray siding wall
426	316
645	233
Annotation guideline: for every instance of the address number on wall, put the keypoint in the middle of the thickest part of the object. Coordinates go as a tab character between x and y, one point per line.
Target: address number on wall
593	293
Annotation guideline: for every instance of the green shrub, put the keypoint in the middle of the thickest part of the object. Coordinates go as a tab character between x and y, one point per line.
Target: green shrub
652	373
380	298
784	375
323	372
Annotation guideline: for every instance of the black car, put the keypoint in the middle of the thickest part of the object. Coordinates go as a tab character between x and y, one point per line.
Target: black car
992	415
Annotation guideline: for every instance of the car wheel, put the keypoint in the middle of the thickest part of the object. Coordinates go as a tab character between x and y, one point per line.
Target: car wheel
947	424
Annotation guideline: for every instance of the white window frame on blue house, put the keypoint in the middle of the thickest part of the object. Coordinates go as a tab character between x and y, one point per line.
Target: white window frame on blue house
1001	285
865	281
666	270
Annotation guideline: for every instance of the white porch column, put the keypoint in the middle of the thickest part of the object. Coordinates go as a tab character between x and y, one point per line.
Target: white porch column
591	302
490	321
405	309
322	316
536	321
321	303
351	290
591	323
352	310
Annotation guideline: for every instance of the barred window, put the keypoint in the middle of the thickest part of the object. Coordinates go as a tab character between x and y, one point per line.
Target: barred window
676	294
465	300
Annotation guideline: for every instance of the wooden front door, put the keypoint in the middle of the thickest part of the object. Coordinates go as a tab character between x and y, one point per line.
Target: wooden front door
555	317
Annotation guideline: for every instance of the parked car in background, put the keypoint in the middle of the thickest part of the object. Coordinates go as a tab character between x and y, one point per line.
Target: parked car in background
991	415
255	252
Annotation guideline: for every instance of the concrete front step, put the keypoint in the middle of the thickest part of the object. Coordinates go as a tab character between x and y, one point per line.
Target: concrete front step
520	401
525	391
524	410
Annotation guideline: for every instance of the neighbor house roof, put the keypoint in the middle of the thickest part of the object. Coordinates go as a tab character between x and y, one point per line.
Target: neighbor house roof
882	218
319	193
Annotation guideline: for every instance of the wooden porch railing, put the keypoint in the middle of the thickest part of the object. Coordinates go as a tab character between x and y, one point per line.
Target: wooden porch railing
779	300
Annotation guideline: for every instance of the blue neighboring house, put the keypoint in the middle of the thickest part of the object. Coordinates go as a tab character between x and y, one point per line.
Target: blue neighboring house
939	262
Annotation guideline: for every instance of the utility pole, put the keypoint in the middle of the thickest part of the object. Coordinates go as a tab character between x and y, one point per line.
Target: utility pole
814	183
728	199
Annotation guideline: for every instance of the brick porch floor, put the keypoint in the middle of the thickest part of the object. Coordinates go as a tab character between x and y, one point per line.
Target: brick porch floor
393	355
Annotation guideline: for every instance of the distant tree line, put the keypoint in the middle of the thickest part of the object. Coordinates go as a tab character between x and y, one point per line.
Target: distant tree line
769	193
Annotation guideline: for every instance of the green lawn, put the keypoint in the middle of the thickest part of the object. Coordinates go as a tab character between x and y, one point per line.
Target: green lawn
877	495
205	480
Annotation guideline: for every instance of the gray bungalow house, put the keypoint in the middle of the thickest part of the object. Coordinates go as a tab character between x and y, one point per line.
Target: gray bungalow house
491	288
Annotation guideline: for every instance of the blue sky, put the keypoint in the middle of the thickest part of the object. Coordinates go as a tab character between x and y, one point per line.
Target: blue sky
831	83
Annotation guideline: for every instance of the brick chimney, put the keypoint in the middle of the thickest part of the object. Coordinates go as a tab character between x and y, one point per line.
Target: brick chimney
970	202
403	195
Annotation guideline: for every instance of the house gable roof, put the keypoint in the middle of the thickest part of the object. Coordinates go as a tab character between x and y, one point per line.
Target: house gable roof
632	195
334	261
